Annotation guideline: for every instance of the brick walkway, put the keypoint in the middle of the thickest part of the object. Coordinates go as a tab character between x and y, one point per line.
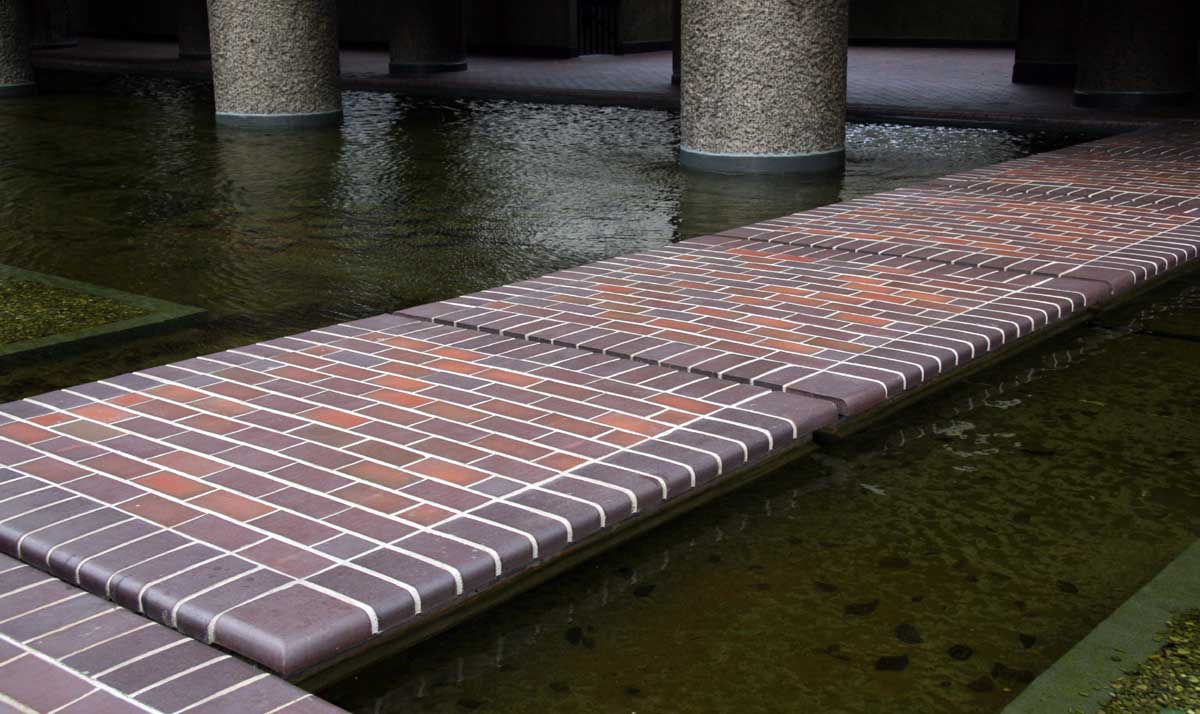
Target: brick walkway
300	500
65	651
960	86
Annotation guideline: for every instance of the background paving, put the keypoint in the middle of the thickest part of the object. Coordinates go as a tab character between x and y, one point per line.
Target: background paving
942	85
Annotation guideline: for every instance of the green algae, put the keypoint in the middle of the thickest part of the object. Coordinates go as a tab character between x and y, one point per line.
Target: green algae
31	310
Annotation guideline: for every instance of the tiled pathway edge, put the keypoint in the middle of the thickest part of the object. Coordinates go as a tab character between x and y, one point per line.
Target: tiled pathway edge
63	650
301	500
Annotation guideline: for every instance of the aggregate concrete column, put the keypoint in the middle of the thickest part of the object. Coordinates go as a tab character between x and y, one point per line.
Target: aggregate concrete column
1137	53
193	29
16	67
275	62
676	40
764	86
53	25
428	36
1046	41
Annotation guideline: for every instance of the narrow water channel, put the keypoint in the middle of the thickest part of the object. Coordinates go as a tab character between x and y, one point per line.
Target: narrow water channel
935	564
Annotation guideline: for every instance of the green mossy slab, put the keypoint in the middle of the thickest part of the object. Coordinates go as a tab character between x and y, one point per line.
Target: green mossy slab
44	314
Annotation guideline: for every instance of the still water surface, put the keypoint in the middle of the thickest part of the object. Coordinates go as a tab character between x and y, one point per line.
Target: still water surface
998	522
132	186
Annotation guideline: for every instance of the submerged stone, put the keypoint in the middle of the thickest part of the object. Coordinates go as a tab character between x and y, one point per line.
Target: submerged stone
962	653
909	634
897	663
862	608
1068	587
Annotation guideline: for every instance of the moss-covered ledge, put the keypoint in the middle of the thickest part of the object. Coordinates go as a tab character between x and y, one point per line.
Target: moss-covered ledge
41	314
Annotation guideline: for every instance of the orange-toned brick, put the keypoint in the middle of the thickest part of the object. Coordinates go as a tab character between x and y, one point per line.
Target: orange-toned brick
174	485
446	471
335	417
101	413
631	423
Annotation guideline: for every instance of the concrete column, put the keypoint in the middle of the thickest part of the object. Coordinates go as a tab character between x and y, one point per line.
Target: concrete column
16	67
193	29
53	25
428	36
1137	53
764	86
275	62
676	39
1046	41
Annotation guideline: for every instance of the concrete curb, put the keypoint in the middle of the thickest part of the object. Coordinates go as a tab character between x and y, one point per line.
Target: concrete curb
1079	681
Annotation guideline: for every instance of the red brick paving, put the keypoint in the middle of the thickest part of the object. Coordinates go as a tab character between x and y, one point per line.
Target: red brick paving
500	454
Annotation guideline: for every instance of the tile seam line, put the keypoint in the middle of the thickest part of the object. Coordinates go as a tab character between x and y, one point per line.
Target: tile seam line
844	234
980	330
276	508
613	358
663	408
96	684
1018	324
566	524
63	411
669	427
285	483
628	493
367	609
536	485
672	427
289	484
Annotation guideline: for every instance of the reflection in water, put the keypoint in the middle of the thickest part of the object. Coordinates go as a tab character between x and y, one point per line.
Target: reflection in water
410	201
933	565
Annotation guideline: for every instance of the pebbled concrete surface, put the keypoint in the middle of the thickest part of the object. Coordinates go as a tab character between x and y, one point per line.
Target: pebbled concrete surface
764	76
15	65
275	56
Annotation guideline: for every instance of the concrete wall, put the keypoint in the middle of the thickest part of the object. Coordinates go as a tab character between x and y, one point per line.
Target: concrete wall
541	28
132	18
645	25
548	27
934	21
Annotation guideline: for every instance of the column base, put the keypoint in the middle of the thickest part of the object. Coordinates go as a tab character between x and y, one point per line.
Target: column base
825	162
409	68
22	89
280	121
1132	100
1043	72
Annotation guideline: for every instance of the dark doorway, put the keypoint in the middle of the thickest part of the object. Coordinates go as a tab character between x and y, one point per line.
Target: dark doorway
599	23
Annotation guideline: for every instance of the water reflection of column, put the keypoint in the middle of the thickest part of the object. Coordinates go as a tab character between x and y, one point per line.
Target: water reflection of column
275	64
272	261
709	203
414	224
